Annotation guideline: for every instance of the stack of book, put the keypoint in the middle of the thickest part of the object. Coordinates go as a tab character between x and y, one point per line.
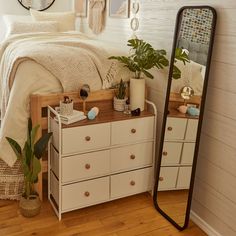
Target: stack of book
76	116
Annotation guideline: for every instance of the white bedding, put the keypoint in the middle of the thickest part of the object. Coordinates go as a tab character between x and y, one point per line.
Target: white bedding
30	77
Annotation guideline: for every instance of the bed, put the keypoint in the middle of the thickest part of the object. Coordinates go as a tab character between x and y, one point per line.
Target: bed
44	63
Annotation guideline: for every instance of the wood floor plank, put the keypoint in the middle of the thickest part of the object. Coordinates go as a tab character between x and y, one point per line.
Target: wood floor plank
133	215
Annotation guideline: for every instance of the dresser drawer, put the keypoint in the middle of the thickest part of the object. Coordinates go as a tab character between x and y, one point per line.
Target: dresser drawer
54	161
131	182
175	128
188	153
191	132
168	178
184	177
171	153
85	193
132	130
83	166
85	138
130	157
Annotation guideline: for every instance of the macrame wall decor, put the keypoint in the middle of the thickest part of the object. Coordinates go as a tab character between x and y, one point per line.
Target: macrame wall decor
134	23
96	15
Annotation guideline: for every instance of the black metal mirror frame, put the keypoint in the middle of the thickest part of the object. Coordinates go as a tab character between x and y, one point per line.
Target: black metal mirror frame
158	167
28	8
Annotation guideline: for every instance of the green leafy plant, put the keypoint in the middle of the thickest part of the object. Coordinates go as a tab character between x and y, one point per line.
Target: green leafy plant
144	57
30	156
120	91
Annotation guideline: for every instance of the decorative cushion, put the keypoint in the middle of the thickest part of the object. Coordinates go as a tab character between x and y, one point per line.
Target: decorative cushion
28	27
66	20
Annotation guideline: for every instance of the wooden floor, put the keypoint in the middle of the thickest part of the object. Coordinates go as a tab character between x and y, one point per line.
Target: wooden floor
125	217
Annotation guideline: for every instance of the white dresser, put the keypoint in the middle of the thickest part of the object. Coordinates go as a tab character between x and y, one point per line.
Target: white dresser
91	162
178	153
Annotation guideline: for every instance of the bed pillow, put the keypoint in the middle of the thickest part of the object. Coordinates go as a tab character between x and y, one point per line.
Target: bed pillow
30	27
66	20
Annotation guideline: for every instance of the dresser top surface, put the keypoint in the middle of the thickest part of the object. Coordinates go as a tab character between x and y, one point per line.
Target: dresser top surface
108	116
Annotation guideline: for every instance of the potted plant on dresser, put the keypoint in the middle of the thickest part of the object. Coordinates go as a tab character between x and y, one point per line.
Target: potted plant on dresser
143	58
120	97
29	157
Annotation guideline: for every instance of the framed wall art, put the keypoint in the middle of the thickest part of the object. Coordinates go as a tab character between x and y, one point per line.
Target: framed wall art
80	7
119	8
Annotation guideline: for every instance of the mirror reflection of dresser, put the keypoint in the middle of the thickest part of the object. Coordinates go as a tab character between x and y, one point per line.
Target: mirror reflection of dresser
183	114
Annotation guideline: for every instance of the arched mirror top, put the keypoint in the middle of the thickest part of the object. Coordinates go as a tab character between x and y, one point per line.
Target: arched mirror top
40	5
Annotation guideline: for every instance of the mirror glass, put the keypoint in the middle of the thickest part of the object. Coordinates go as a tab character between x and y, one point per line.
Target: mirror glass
39	5
183	114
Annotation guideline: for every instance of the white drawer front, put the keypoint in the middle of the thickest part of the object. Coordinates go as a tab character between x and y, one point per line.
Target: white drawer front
85	193
191	132
184	177
131	182
85	138
188	153
133	156
132	130
83	166
54	158
54	187
171	153
175	128
168	178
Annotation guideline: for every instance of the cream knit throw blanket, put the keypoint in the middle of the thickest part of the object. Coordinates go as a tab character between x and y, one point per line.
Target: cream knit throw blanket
72	58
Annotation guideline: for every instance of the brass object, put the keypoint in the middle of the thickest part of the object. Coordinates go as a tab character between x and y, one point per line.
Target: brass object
132	157
87	166
165	153
133	131
132	183
170	128
86	194
161	179
87	138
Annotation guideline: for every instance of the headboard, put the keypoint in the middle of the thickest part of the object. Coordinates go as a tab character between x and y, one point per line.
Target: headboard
197	52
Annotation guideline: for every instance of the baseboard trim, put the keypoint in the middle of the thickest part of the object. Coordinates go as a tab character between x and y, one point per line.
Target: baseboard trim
203	225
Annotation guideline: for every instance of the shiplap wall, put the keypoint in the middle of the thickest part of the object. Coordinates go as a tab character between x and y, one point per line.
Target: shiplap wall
214	199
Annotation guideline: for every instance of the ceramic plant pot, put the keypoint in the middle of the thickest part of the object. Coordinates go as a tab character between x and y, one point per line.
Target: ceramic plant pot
137	94
119	104
30	207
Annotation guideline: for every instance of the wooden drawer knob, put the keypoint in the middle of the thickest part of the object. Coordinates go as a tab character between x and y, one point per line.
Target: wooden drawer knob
87	166
165	153
169	128
161	179
86	194
132	183
87	138
132	157
133	131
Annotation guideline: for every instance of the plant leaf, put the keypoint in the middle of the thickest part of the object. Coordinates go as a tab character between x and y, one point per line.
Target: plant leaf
35	170
41	144
15	147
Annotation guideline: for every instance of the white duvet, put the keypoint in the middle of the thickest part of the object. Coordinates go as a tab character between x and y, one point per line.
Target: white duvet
30	77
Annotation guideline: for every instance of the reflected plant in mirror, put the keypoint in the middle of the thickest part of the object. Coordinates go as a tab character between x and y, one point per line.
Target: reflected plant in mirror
183	114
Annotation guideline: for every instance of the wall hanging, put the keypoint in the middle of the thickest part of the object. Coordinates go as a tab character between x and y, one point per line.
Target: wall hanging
96	15
134	23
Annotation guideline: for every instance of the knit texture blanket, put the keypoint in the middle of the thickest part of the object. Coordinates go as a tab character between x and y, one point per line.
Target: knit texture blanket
73	59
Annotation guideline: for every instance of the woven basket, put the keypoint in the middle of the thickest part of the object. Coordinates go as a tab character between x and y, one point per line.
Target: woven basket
30	207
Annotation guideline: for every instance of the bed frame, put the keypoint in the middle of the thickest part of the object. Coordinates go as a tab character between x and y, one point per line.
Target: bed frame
38	110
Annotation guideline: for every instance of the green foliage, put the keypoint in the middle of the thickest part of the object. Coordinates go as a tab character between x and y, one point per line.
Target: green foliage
30	156
121	90
144	57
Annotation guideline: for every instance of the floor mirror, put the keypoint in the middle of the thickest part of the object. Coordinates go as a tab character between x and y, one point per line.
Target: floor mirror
183	114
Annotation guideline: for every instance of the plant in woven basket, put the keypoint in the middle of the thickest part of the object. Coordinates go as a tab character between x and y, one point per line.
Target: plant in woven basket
29	157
